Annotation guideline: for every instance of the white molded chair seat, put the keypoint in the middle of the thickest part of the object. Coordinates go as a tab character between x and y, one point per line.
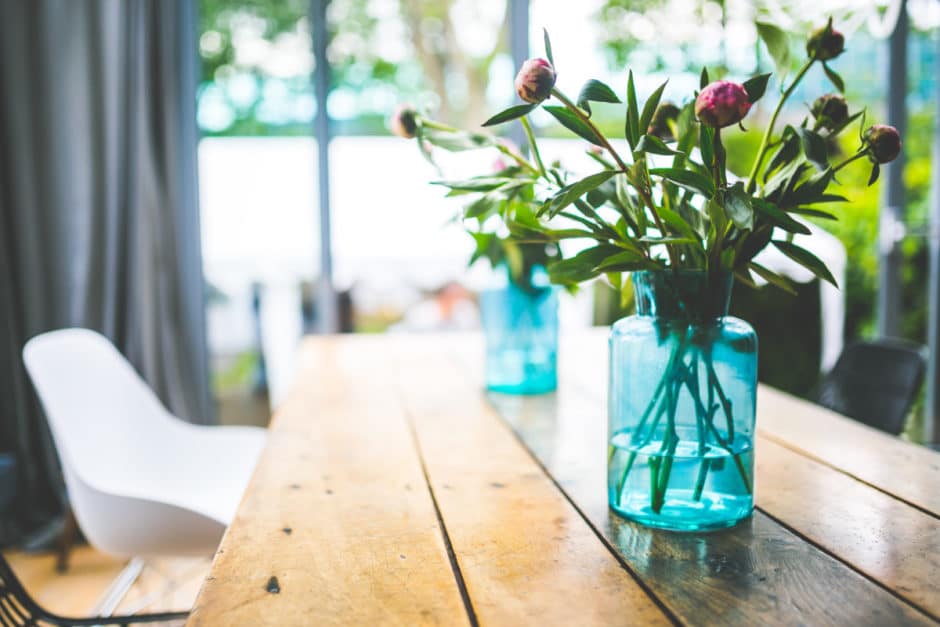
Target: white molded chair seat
141	482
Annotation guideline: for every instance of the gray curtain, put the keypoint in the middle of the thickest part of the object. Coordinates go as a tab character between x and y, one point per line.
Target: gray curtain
99	223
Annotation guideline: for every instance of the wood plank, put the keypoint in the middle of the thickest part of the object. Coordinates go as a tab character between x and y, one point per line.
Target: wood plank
757	573
525	553
337	525
891	542
908	471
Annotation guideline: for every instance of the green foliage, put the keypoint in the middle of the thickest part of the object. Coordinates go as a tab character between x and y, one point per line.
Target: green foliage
689	215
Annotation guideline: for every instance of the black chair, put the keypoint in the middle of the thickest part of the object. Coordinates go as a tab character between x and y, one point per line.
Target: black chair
18	609
875	383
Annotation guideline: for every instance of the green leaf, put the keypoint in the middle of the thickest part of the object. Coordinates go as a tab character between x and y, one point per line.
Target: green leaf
875	172
548	47
830	198
703	78
582	266
574	124
778	45
573	192
649	239
778	217
756	86
687	179
649	109
476	184
815	213
654	145
806	259
706	143
619	260
834	77
676	222
739	208
809	192
788	150
516	111
483	206
772	277
595	91
632	126
814	147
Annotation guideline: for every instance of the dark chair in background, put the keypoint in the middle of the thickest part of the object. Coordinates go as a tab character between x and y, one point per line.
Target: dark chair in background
875	383
18	609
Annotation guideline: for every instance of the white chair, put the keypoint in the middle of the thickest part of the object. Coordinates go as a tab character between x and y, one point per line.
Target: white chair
142	483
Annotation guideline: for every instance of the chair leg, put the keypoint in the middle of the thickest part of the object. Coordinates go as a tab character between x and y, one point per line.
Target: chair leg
66	542
119	588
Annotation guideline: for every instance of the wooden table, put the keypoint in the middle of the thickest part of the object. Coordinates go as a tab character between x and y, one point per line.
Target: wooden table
394	491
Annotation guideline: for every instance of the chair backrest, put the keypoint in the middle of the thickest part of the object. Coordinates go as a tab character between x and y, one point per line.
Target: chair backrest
875	383
98	407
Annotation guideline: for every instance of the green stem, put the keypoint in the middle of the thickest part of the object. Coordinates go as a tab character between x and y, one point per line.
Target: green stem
857	155
765	141
668	448
722	398
535	148
644	193
575	109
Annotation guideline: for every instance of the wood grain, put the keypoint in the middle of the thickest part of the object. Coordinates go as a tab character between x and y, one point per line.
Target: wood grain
891	542
759	572
908	471
525	553
337	525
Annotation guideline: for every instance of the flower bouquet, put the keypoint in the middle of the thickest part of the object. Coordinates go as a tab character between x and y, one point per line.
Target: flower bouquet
520	316
665	209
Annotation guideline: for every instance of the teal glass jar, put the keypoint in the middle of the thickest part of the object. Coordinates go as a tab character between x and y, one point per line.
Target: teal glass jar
520	324
682	396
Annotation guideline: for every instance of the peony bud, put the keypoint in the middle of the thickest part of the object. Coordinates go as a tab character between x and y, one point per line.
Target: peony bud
404	121
722	104
825	43
660	126
831	111
535	80
883	142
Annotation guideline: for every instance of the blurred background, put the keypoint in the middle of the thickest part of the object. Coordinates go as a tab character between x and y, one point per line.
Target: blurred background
395	260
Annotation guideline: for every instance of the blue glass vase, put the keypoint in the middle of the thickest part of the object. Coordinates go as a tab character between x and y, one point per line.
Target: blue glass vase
520	323
683	388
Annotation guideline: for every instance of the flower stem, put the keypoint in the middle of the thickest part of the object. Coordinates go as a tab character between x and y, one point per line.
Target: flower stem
439	126
857	155
575	109
535	148
765	141
647	198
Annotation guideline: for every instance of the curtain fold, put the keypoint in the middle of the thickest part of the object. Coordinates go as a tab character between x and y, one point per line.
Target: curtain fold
99	222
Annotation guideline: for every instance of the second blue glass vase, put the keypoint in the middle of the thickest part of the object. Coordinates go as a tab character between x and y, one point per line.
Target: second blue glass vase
520	324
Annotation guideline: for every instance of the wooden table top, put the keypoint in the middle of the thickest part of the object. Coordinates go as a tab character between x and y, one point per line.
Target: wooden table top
393	490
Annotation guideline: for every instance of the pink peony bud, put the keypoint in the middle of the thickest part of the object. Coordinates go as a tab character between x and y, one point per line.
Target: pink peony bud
884	143
825	43
722	104
535	80
404	121
831	111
